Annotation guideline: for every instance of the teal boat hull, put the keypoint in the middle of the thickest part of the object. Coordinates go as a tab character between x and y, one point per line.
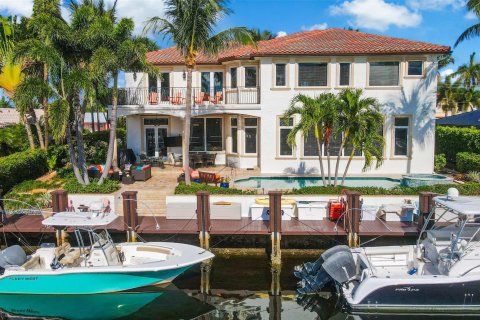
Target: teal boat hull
85	282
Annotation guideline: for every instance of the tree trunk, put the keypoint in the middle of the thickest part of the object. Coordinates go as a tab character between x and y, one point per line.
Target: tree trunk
115	153
345	137
73	159
45	107
327	148
82	164
113	128
320	160
348	165
31	142
186	126
39	133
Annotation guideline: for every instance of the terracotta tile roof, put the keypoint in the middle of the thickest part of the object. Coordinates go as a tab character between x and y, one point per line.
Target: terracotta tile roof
314	43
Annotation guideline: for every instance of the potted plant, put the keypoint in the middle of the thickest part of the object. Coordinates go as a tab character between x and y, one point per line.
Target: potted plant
225	182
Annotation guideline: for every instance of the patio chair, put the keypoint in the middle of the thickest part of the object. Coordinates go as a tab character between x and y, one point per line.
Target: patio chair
143	158
177	158
209	177
196	160
176	99
153	98
217	98
199	98
210	159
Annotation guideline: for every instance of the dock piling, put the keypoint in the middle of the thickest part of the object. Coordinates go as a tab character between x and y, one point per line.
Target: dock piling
130	214
275	296
59	204
203	218
275	211
425	207
352	218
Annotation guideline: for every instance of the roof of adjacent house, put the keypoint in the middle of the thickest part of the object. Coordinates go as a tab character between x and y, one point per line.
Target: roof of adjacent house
467	119
97	116
309	43
9	116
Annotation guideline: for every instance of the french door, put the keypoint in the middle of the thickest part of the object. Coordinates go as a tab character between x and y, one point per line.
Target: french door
155	141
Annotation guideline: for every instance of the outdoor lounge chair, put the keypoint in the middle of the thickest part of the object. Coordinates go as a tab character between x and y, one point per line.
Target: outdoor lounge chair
209	177
142	173
217	98
153	98
196	160
199	98
177	98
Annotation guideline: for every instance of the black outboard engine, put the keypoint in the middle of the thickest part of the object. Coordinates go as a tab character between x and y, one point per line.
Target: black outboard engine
314	276
12	256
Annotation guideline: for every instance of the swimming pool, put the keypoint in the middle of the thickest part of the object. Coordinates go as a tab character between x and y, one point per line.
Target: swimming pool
285	182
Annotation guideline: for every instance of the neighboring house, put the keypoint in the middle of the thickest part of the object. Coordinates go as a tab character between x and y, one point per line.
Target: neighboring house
9	116
467	119
100	121
240	95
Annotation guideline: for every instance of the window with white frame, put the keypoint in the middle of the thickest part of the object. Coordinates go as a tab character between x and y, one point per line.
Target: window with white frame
344	74
384	73
251	133
415	68
280	75
206	134
312	74
401	136
233	77
234	135
310	146
285	126
250	77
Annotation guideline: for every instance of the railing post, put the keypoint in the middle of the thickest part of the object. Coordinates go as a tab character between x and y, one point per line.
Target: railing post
425	207
275	211
203	218
352	218
130	214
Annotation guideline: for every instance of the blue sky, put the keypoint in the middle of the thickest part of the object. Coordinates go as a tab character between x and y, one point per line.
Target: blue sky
435	21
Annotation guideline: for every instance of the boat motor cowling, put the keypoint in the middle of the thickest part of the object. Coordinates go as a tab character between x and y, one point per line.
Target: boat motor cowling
340	266
12	256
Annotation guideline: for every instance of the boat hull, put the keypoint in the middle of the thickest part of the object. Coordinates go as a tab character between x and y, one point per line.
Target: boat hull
84	282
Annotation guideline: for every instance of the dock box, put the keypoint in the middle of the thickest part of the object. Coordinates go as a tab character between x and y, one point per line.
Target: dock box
402	212
261	211
225	211
369	212
312	210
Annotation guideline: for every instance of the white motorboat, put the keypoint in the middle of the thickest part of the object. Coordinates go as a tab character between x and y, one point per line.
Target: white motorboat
441	272
97	264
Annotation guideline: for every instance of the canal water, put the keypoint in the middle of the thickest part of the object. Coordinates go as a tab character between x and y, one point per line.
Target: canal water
239	285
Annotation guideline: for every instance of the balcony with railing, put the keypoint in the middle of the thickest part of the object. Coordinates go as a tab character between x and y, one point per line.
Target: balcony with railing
176	96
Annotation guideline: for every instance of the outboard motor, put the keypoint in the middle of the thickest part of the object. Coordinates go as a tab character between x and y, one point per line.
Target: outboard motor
12	256
314	276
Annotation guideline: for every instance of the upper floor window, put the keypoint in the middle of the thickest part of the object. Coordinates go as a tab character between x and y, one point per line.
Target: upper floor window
280	75
415	68
250	77
233	77
285	126
401	134
384	73
312	74
344	74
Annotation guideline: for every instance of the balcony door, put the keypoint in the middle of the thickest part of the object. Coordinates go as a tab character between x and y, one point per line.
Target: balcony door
211	83
155	141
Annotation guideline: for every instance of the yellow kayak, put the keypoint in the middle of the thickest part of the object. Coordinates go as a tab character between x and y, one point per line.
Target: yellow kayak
266	201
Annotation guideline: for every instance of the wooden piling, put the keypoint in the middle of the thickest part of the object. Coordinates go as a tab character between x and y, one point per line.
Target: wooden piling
203	218
275	225
352	218
59	204
130	214
425	207
275	296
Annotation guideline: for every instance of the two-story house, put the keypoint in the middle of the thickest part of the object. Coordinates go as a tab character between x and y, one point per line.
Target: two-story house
240	95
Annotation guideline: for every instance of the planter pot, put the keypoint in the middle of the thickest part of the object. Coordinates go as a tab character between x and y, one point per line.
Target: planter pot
197	180
224	185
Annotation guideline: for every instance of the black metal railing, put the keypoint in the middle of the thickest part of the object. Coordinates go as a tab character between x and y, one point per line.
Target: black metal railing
200	96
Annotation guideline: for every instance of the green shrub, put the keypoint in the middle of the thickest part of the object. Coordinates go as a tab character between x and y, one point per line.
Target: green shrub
61	155
96	144
108	186
467	161
453	140
13	138
29	185
182	188
440	162
473	176
22	166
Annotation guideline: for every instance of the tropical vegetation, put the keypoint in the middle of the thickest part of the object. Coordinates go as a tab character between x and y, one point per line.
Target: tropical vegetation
349	116
192	25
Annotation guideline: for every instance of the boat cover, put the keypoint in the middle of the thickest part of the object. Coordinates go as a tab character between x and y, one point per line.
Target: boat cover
469	206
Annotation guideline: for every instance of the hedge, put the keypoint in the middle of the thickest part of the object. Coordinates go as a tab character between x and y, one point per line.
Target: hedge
467	161
21	166
108	186
453	140
182	188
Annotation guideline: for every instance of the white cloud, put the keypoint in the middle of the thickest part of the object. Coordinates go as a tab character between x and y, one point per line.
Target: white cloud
377	14
318	26
281	34
446	72
17	7
470	15
139	11
435	4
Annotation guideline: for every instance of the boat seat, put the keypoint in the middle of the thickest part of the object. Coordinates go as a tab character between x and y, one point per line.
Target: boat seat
71	258
35	262
155	249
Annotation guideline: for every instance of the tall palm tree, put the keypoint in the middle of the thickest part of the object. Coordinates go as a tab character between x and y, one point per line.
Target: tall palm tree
351	108
191	25
447	95
472	31
312	116
468	74
259	35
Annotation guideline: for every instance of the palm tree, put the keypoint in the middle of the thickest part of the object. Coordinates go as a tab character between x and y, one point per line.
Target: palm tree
447	95
261	35
312	117
472	31
468	74
351	108
191	25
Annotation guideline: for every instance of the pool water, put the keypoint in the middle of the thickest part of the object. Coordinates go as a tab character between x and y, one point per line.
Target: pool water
300	182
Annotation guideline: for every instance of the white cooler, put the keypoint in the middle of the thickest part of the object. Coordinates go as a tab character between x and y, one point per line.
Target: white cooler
312	210
369	212
401	212
261	211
